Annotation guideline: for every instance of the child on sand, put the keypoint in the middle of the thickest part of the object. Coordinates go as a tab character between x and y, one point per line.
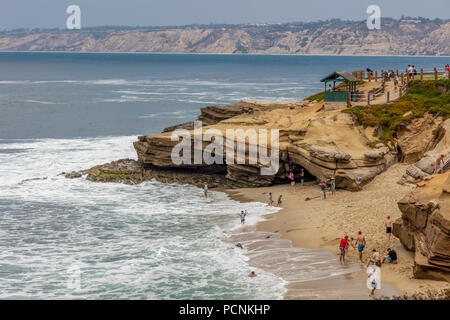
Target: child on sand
270	203
388	227
279	200
291	177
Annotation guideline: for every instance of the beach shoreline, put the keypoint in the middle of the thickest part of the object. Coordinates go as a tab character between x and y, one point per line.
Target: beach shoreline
319	224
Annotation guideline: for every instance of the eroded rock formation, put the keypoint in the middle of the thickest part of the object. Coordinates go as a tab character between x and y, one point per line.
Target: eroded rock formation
438	144
326	143
425	227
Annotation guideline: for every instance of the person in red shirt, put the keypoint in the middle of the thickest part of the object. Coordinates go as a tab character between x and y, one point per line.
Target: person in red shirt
343	247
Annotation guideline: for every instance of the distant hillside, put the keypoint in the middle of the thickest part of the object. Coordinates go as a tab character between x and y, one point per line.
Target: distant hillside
411	36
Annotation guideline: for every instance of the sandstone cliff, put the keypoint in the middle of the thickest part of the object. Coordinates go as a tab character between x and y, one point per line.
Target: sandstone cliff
438	144
335	37
326	143
425	227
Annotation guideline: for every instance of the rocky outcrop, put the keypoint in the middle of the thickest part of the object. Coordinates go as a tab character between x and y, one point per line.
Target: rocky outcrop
438	144
414	137
425	227
326	143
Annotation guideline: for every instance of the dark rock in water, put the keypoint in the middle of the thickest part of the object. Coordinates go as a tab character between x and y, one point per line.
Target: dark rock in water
130	171
239	246
73	175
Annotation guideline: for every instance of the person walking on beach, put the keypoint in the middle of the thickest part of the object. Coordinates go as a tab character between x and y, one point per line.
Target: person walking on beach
302	176
270	203
373	280
291	177
396	83
279	200
361	243
205	190
343	245
323	186
439	164
333	186
388	228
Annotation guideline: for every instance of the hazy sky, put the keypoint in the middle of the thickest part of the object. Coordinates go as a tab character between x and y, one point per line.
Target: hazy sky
52	13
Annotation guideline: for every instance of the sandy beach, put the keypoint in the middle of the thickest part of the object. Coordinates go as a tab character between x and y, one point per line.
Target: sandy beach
320	224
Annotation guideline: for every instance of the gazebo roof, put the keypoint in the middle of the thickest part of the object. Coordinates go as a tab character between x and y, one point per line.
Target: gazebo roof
337	74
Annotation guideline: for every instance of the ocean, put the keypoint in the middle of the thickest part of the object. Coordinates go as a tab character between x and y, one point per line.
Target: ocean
74	239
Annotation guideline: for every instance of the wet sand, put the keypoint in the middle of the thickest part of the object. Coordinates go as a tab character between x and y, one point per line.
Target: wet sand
315	227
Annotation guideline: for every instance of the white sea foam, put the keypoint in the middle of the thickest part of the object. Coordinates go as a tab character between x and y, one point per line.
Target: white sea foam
149	241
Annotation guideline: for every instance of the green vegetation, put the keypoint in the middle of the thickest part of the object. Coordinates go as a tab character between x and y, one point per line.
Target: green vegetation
317	97
112	175
423	96
235	184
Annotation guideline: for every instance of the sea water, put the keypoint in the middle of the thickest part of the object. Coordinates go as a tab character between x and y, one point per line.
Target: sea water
71	238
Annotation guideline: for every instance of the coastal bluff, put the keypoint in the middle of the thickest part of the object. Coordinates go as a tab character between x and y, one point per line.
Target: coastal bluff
326	143
424	227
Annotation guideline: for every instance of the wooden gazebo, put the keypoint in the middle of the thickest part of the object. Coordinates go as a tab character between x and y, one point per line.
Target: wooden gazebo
340	96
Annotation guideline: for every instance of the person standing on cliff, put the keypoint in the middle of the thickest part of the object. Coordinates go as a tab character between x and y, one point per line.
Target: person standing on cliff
439	165
388	227
205	190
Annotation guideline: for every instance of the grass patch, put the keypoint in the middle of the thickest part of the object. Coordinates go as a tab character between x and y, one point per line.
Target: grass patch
423	96
235	184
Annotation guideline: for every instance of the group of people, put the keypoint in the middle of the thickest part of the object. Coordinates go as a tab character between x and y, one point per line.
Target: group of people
301	176
375	261
279	200
324	187
412	71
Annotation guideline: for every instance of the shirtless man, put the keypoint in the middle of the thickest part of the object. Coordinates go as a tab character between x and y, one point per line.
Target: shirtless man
439	165
375	258
388	227
361	243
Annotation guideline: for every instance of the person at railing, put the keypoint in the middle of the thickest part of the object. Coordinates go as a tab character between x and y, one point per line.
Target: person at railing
396	83
369	71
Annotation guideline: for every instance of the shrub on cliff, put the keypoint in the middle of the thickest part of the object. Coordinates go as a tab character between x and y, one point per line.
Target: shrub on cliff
422	96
